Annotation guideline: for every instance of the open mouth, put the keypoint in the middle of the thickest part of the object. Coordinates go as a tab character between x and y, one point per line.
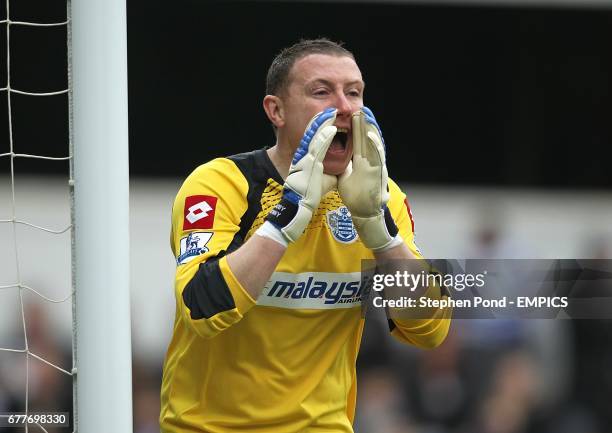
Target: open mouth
340	141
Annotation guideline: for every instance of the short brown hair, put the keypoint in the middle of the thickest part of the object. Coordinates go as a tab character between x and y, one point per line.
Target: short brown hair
278	73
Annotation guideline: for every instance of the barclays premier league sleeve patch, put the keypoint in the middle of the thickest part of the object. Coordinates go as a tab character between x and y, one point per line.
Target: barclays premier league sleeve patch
193	245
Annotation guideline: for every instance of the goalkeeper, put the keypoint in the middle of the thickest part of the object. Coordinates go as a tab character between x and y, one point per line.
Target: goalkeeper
269	247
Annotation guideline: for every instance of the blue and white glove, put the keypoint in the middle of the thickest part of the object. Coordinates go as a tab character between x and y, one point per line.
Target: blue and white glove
363	186
305	183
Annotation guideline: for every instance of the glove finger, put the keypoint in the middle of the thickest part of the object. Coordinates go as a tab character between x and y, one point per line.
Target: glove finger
369	117
358	139
377	159
347	173
320	144
367	111
316	125
372	124
375	153
317	150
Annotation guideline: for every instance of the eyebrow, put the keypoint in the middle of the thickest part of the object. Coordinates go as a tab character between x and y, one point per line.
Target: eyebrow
330	84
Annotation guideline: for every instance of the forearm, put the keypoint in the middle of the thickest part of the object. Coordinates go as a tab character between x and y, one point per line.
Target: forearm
254	262
401	262
398	252
401	259
423	327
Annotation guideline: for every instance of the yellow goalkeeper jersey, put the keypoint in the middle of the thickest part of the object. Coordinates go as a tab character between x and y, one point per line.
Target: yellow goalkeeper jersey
284	362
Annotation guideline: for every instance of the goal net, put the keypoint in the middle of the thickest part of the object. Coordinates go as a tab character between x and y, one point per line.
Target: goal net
63	165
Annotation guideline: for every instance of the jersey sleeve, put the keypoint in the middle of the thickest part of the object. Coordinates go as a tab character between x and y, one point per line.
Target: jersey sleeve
205	225
429	332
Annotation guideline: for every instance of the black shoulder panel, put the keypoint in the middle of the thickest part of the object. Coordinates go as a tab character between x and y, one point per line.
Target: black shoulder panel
207	293
257	169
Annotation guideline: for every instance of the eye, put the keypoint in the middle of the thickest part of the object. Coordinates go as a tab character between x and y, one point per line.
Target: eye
320	92
354	92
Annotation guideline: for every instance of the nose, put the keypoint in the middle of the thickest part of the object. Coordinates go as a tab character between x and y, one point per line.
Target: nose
343	105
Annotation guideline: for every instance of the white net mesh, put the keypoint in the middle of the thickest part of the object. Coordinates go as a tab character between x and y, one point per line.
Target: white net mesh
21	355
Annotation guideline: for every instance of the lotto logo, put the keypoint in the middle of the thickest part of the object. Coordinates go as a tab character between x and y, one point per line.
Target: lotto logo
199	212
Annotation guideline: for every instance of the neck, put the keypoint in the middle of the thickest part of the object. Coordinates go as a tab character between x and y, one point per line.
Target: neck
281	157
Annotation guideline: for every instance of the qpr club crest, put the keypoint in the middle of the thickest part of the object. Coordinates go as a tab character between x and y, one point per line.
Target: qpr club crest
341	225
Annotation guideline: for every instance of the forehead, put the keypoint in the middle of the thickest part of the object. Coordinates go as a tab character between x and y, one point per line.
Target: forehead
336	69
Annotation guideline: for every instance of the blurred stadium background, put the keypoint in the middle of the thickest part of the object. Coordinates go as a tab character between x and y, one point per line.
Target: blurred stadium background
497	119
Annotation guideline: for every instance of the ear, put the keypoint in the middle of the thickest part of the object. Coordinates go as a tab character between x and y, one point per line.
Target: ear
273	106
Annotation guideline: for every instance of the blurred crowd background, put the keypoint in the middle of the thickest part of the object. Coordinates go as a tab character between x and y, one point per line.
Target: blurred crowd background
490	376
497	119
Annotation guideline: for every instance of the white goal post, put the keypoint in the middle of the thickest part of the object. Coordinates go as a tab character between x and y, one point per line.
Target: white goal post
98	45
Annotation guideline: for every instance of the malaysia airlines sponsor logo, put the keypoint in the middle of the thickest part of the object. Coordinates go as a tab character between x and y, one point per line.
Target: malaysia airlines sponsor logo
199	212
312	290
193	245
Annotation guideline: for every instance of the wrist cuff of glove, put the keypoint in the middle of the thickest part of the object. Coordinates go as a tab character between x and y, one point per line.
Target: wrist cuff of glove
270	231
397	240
289	217
378	233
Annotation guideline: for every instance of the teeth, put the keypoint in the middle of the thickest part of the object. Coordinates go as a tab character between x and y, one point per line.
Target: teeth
345	130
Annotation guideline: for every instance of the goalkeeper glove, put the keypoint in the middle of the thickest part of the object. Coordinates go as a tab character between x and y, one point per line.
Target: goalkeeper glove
363	186
306	182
